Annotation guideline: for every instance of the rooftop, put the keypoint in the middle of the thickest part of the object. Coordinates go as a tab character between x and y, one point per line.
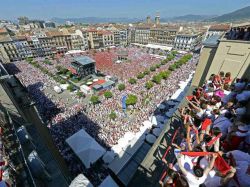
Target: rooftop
212	41
220	27
84	60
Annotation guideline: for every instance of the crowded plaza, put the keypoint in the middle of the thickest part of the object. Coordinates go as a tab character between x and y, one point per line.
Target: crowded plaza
66	115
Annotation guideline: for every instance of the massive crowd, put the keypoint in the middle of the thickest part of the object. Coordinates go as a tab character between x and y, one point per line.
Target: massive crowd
64	121
215	149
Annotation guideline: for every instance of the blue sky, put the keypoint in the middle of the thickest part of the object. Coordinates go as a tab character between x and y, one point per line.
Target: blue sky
46	9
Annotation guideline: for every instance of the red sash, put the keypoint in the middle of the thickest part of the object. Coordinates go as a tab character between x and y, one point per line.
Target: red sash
206	123
214	140
195	154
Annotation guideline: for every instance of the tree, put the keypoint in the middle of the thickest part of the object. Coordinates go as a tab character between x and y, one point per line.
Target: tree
132	81
157	79
29	59
121	87
131	99
46	61
94	99
70	87
158	65
163	62
140	75
152	68
149	85
64	70
62	82
171	67
80	94
165	74
146	72
112	115
108	94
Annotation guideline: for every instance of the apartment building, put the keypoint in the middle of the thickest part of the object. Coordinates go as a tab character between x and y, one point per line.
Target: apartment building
187	41
162	36
142	34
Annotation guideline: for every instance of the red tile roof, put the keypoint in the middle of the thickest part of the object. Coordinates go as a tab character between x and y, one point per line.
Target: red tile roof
221	27
3	30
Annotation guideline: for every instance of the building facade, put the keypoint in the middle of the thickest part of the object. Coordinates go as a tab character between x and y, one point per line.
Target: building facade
187	42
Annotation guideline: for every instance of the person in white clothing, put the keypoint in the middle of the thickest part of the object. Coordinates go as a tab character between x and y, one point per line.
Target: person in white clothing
199	175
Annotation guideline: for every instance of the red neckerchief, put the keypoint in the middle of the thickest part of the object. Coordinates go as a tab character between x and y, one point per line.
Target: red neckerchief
214	140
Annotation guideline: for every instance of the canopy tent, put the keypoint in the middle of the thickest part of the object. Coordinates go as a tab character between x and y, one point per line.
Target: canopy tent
80	181
85	147
108	182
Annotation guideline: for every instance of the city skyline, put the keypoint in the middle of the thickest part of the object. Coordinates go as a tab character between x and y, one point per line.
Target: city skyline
45	9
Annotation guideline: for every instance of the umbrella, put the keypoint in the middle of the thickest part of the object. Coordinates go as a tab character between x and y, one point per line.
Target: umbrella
153	120
161	106
160	118
157	132
80	181
150	138
85	147
116	148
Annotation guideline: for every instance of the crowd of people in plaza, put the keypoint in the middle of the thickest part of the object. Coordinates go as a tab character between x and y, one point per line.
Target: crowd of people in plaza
215	148
138	61
239	34
63	121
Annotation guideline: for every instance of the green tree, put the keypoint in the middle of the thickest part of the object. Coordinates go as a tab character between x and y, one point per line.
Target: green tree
80	94
94	99
121	87
157	79
152	68
112	115
146	72
140	75
46	61
158	65
131	99
108	94
70	87
171	67
132	81
29	59
149	85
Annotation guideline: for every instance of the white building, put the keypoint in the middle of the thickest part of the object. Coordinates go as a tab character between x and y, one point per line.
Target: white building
187	42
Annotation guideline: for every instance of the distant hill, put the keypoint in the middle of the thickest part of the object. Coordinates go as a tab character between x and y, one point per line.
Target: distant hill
190	17
96	20
238	15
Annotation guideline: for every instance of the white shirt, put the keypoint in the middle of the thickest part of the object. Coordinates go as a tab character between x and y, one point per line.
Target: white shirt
195	181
